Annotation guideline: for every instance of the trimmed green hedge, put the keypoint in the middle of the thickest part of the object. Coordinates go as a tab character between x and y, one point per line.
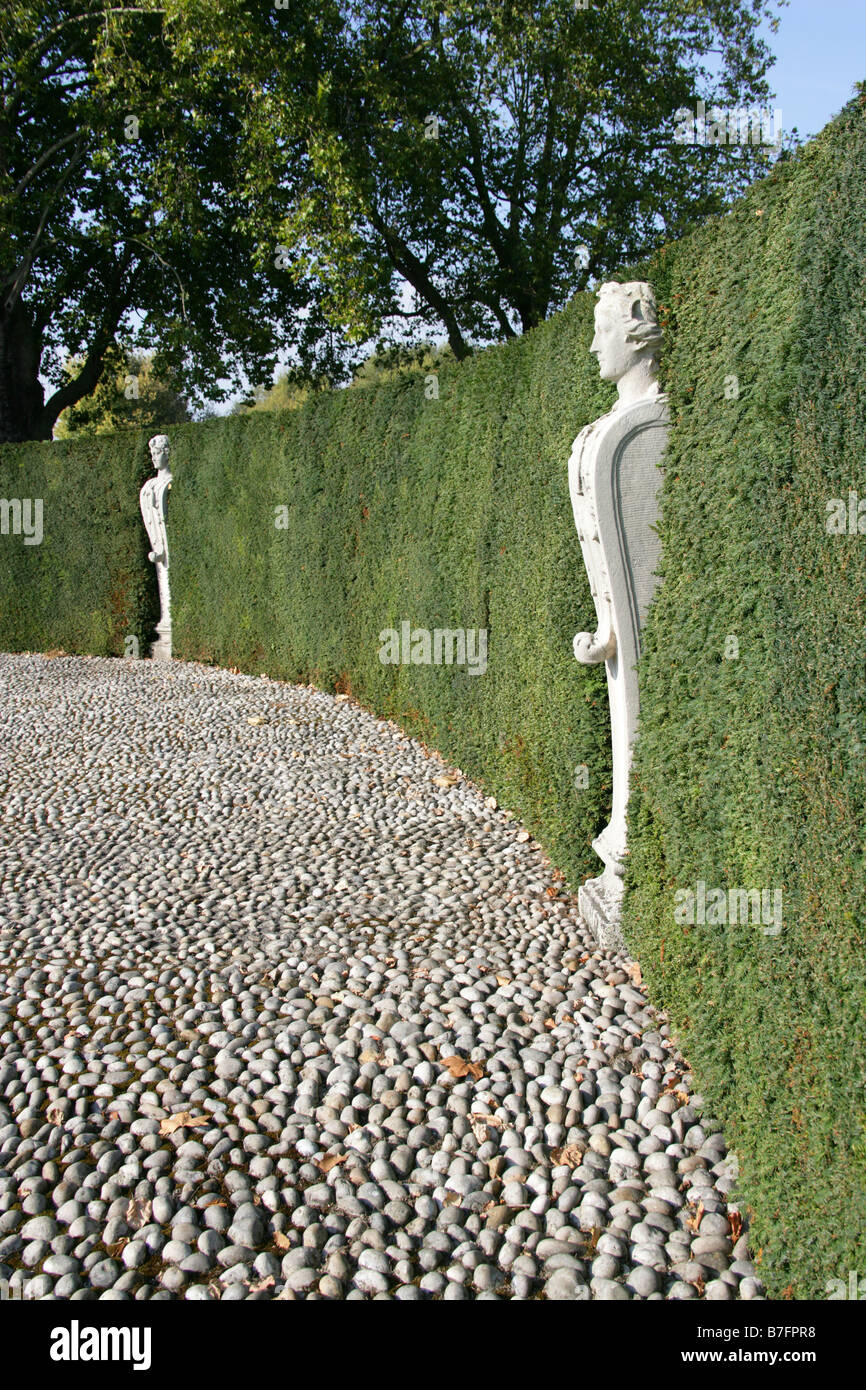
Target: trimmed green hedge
88	585
449	512
750	770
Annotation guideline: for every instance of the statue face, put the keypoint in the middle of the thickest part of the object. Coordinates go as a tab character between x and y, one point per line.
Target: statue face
159	451
609	345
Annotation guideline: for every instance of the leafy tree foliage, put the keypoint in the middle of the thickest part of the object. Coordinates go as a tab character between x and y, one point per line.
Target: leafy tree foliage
121	195
130	395
464	166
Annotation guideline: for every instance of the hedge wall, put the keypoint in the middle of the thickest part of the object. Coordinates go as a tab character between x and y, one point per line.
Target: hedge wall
448	512
750	770
87	585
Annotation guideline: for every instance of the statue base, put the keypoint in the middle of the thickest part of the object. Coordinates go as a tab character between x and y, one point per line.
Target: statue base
599	903
160	650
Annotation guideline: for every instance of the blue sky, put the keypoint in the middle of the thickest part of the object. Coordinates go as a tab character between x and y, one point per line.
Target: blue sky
821	53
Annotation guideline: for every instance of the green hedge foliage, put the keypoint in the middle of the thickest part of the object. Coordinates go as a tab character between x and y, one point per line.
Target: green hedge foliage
87	586
750	770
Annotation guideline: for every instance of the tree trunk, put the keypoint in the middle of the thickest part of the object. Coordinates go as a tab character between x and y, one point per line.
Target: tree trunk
22	400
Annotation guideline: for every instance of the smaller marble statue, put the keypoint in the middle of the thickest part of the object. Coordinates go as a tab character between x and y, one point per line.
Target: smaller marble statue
614	479
152	499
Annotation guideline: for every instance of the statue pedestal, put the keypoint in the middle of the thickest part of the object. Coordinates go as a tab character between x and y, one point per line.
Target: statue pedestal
160	650
614	480
599	902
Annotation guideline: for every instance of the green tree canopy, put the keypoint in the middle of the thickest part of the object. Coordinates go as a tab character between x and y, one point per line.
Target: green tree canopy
122	193
130	395
464	166
230	183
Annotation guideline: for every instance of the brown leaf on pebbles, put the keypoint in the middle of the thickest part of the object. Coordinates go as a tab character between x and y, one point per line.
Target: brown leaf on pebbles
446	779
694	1221
54	1113
256	720
503	980
138	1213
735	1221
266	1283
330	1161
184	1120
633	971
569	1156
481	1123
282	1241
459	1067
522	837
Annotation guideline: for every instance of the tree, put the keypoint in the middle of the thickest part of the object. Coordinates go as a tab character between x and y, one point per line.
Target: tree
122	194
130	395
464	166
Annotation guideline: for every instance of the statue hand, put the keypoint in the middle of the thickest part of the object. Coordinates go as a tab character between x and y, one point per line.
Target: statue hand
590	649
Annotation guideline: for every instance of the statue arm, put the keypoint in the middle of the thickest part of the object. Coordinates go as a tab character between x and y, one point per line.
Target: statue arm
590	649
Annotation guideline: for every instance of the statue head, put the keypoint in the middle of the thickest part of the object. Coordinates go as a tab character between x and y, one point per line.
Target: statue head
159	450
627	337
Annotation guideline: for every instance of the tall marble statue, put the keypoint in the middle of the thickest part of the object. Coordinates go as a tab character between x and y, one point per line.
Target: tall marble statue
614	477
152	499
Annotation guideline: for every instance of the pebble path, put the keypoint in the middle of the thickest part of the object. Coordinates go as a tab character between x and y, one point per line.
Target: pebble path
289	1010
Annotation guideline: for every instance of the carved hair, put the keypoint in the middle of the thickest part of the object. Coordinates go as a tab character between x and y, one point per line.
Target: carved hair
636	305
158	439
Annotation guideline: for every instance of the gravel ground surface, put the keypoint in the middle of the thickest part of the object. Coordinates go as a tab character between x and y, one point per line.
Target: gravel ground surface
288	1010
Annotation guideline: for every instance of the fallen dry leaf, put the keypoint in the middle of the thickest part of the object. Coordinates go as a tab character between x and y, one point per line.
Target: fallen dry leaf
138	1213
458	1067
282	1241
492	1120
693	1222
570	1156
522	836
503	979
257	720
735	1221
266	1283
549	1023
446	779
54	1114
181	1121
330	1161
633	970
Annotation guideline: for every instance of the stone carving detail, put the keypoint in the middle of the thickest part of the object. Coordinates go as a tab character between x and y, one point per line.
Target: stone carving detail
152	500
614	478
